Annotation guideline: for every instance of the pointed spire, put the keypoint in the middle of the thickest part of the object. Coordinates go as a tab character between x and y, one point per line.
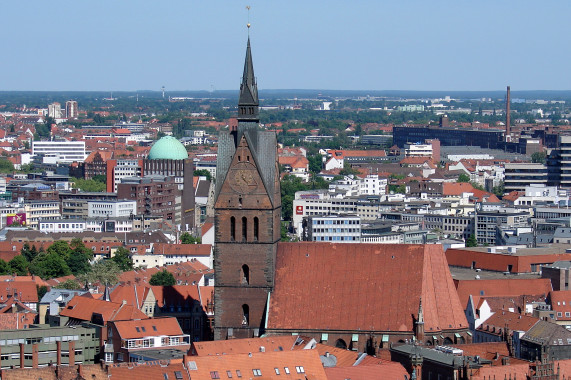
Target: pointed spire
248	101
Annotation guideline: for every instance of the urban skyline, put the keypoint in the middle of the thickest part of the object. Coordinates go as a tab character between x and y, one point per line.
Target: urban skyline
130	46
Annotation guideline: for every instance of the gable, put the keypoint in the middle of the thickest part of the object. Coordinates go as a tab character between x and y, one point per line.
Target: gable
244	177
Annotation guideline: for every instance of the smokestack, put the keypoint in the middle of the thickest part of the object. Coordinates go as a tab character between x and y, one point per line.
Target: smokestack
508	116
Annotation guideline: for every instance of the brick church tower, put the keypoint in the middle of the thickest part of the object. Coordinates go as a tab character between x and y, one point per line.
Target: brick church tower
247	218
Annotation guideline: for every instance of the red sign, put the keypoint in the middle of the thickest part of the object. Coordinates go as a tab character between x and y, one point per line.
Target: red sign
16	219
299	210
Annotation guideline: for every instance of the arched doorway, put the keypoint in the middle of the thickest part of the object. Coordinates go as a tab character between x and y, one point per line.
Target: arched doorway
447	341
340	343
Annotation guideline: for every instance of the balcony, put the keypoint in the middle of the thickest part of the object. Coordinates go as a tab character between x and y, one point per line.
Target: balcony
156	342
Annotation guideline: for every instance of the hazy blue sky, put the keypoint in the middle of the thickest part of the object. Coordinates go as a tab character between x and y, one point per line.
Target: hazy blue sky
360	45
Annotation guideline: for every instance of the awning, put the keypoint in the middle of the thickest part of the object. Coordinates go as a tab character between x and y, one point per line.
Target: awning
469	333
434	337
457	335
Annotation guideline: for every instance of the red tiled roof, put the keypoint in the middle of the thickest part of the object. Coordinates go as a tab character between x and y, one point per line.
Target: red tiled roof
501	288
396	277
83	308
561	303
133	295
457	188
264	362
386	370
294	161
502	319
202	250
148	327
26	291
416	161
513	371
243	346
175	295
150	371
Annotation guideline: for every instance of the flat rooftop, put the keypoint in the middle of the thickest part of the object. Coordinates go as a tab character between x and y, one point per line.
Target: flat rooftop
547	249
470	274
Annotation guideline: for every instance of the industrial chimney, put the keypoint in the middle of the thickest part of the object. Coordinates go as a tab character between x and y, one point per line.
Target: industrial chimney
508	116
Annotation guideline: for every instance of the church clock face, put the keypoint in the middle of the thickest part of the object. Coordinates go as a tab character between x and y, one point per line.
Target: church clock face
243	181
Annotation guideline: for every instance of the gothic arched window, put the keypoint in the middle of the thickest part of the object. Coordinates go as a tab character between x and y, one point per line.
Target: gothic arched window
232	228
256	228
245	275
244	229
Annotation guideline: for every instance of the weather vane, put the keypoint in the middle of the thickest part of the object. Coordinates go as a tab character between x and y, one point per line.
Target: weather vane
248	24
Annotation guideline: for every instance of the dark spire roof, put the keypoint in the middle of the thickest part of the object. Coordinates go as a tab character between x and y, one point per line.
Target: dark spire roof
248	90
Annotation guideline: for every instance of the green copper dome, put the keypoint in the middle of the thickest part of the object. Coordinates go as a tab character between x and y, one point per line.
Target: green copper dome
168	148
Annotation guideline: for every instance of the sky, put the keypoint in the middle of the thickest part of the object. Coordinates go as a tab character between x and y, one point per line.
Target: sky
130	45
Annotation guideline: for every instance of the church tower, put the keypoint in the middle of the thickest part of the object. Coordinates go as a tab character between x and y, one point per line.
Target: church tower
247	218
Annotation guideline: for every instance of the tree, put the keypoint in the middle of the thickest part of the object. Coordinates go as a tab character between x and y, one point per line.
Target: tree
19	265
186	238
61	248
471	241
4	267
204	173
49	265
499	190
315	163
89	185
104	272
162	278
463	178
538	157
123	259
6	166
80	256
42	290
69	285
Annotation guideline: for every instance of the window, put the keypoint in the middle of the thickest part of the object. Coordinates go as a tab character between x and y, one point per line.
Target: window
245	275
238	373
277	371
244	229
214	375
299	369
109	357
232	228
256	228
286	370
257	372
229	374
245	315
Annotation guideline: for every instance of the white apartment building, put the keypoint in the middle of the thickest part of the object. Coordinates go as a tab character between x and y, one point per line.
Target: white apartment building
333	228
54	110
418	150
80	225
111	209
62	225
125	169
373	185
353	186
41	210
71	110
59	152
319	202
